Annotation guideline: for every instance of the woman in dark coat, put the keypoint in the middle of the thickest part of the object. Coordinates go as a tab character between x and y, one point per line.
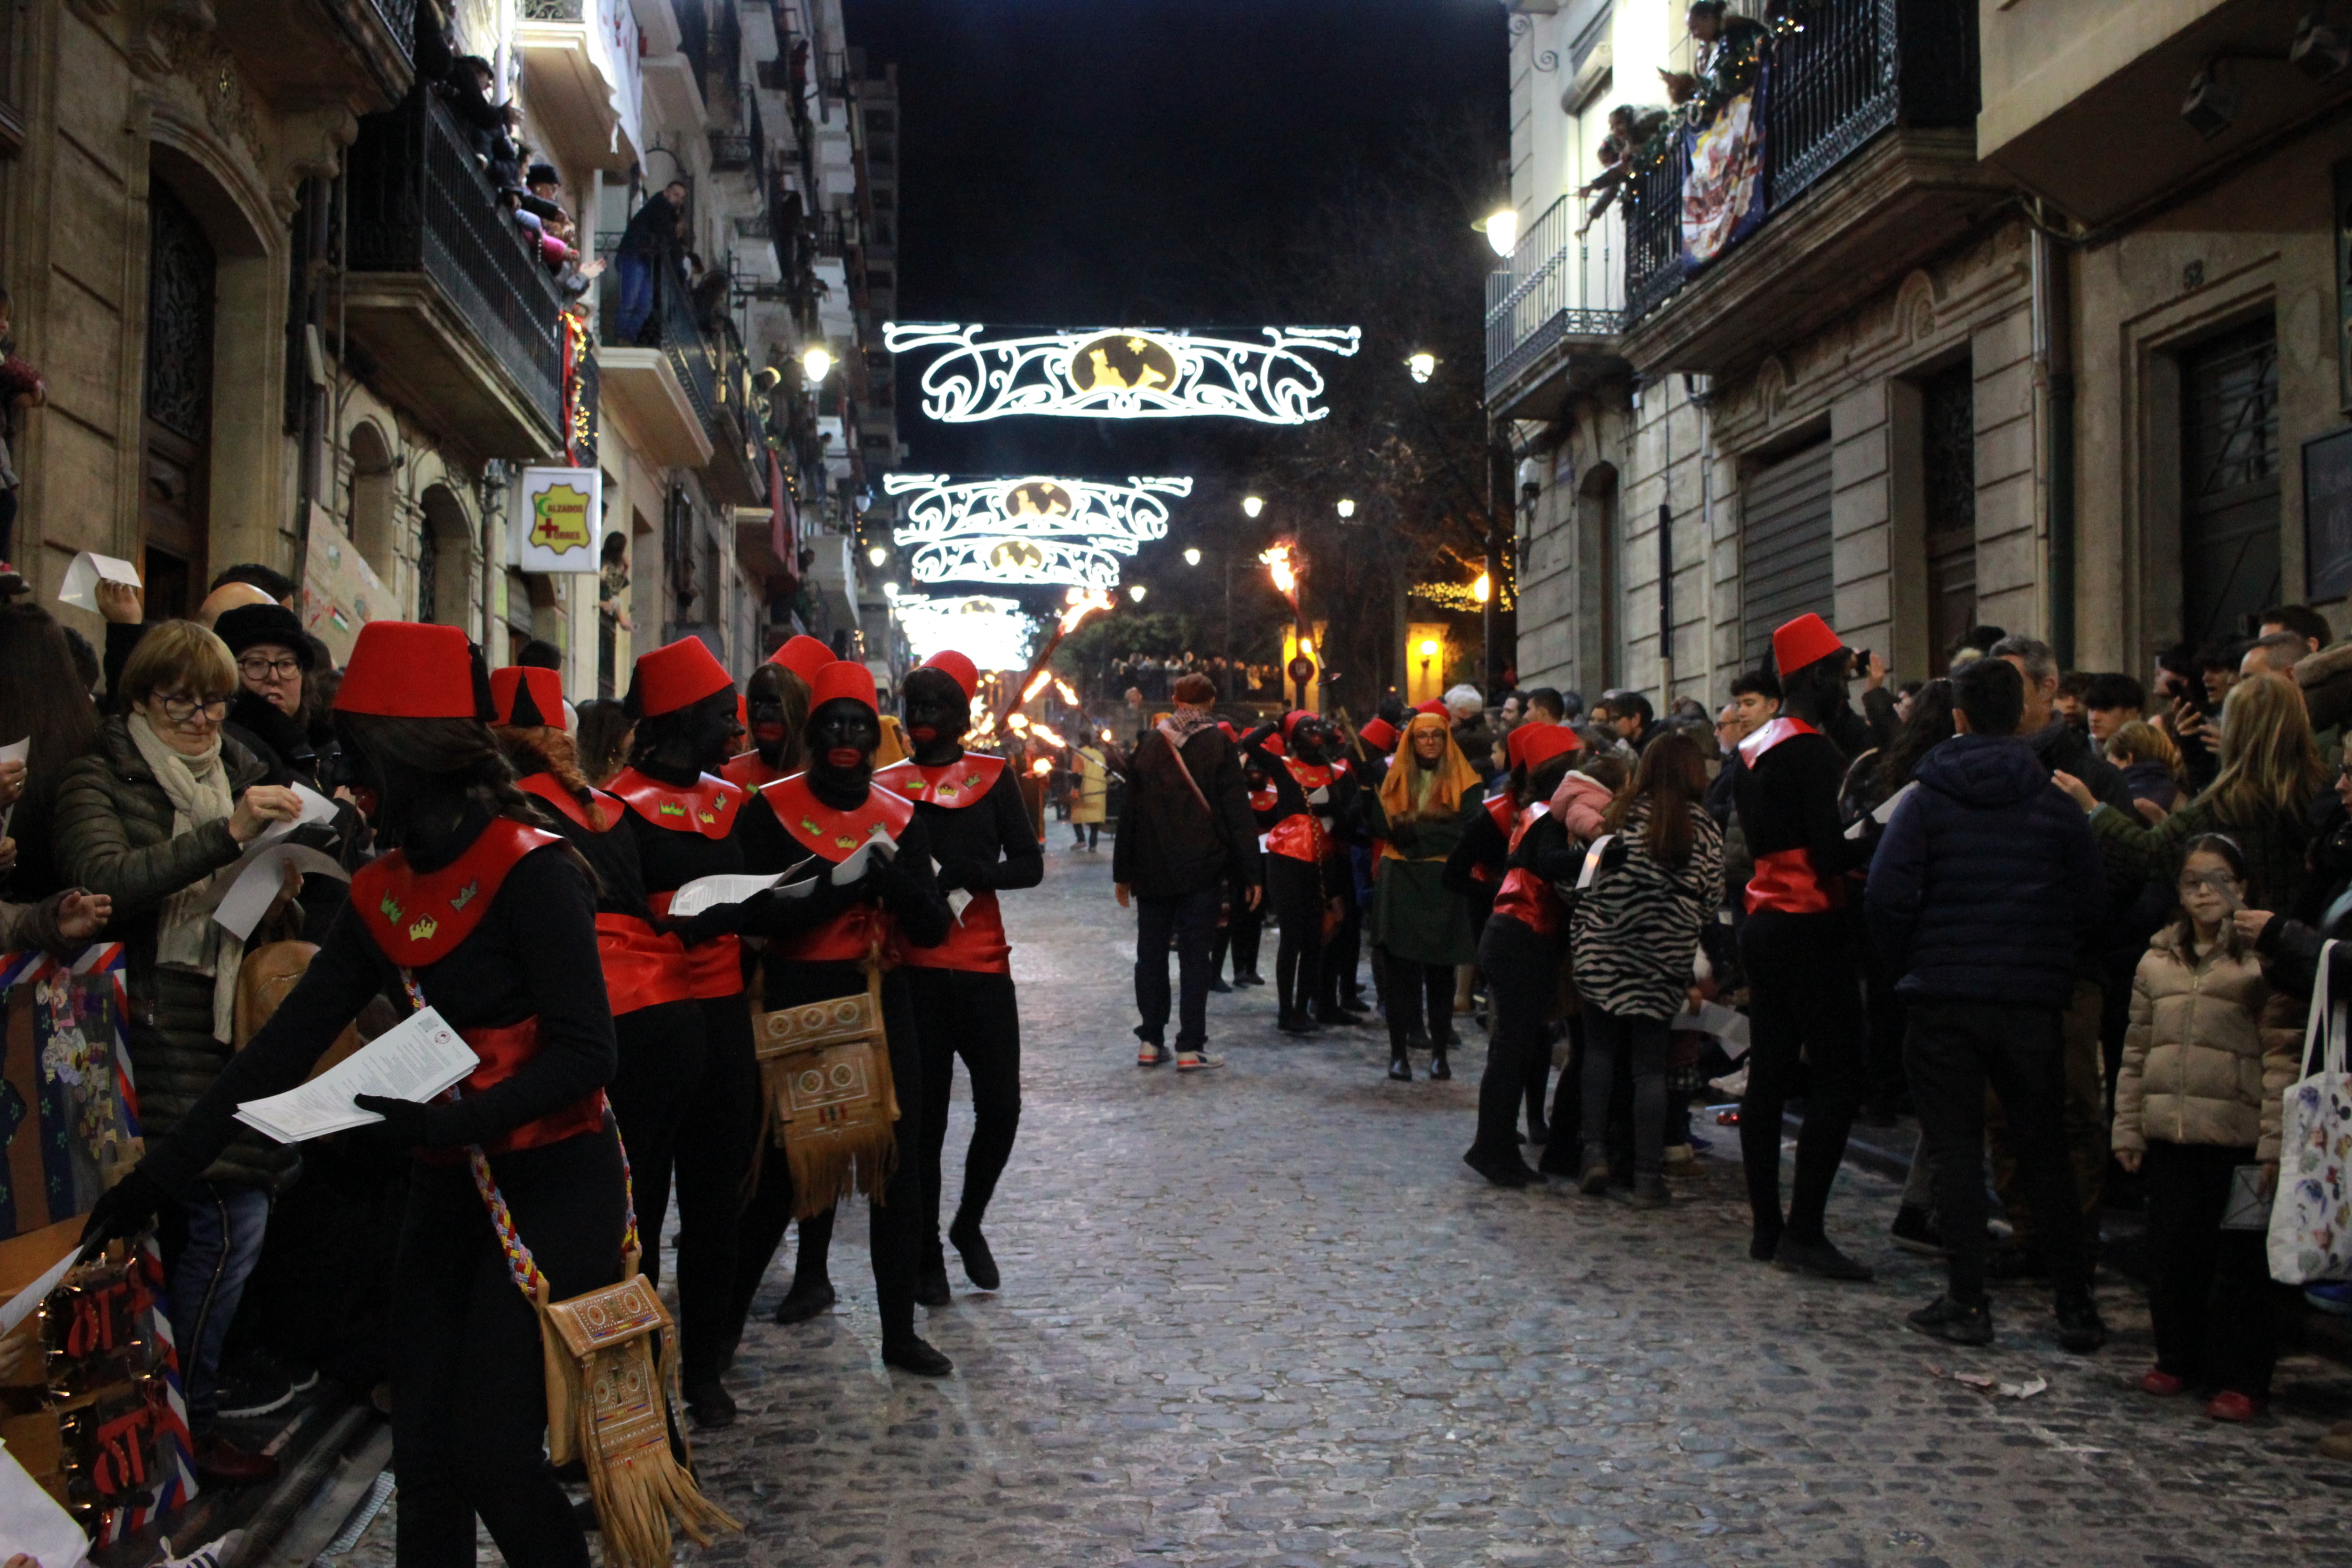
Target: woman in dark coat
1420	928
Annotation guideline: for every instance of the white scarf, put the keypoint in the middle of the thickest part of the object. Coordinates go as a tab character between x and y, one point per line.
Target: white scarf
187	935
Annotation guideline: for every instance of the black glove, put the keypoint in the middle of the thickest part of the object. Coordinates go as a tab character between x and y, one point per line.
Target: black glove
723	920
403	1127
122	1211
969	875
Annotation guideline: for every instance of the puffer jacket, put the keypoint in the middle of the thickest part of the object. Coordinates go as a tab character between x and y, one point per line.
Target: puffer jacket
2210	1050
113	827
1580	802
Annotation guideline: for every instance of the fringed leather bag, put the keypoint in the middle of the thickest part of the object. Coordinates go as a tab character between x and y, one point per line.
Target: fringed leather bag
611	1362
825	1072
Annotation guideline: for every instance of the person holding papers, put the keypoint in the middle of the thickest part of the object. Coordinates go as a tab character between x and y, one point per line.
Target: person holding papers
777	696
819	948
970	804
156	821
687	824
489	922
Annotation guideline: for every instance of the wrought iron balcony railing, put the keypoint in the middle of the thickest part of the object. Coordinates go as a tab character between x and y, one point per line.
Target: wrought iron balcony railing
1841	72
547	10
1558	284
669	327
420	202
400	16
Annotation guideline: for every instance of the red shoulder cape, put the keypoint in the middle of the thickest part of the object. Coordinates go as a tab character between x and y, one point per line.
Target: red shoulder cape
952	785
836	835
544	787
748	770
1771	733
420	919
708	806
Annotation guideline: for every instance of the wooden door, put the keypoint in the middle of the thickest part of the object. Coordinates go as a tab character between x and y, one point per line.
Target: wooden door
181	271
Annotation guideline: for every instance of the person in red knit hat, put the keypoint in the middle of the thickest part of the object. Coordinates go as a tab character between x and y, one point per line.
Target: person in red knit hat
819	947
686	821
489	921
777	700
970	804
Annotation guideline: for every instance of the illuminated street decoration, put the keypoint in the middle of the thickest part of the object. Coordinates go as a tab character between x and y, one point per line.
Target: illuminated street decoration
1125	373
1014	559
994	633
1108	516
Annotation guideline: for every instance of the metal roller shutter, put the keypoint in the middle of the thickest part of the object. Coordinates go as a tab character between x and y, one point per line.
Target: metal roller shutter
1784	548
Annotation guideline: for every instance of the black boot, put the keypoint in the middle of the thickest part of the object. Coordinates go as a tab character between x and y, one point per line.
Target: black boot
979	1263
805	1300
1439	1067
931	1289
1400	1065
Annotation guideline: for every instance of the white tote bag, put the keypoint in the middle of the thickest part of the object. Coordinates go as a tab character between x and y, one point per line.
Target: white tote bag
2311	1217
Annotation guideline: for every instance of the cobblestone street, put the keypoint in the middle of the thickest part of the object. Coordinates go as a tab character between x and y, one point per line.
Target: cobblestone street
1267	1315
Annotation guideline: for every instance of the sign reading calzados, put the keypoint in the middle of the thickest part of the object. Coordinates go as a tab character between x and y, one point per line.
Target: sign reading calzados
556	515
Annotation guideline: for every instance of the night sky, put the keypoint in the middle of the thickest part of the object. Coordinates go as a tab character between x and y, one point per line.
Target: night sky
1078	162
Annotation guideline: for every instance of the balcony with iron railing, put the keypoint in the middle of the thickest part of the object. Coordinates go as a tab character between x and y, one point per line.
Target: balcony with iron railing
342	51
1867	112
439	291
581	79
1553	309
686	390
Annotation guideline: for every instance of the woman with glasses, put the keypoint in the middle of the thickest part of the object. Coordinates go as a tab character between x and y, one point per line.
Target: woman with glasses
265	716
153	822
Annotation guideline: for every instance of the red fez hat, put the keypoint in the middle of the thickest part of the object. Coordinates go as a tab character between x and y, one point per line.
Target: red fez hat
677	674
1292	720
1271	746
1804	641
842	682
956	668
1536	744
527	698
804	656
405	669
1378	733
1434	705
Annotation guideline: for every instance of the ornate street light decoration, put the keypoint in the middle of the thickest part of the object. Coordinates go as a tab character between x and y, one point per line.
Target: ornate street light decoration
1013	559
1107	516
1123	373
994	633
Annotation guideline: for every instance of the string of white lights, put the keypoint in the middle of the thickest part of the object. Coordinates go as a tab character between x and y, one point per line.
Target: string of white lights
1118	516
1000	559
1123	373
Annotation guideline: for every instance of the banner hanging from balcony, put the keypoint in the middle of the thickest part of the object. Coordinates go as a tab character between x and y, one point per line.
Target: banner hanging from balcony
1123	373
1723	191
556	515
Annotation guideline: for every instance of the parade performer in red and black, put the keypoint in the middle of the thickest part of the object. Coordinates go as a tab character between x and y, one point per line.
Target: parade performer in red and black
1340	1002
1244	914
1296	840
777	699
492	920
1522	950
686	822
970	805
1799	949
818	949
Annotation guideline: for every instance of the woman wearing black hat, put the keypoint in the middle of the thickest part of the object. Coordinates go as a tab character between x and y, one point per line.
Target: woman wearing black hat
489	922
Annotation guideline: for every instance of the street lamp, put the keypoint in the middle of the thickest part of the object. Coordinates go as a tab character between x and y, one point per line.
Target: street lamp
1483	589
1193	557
1253	505
1423	366
1347	509
1501	229
877	554
1428	651
816	364
1136	592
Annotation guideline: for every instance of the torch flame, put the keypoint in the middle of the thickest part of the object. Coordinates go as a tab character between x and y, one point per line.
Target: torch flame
1278	567
1082	602
1037	683
1069	693
1045	732
1017	722
1041	766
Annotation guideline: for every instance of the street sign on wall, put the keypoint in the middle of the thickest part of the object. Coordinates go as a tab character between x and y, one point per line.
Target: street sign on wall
556	514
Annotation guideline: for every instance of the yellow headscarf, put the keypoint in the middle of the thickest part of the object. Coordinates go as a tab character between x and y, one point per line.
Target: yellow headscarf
1455	775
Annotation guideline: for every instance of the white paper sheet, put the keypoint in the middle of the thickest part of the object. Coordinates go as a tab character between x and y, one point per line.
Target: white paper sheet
1592	854
1725	1024
851	870
708	892
248	897
84	574
14	752
32	1524
959	901
25	1302
1885	813
414	1060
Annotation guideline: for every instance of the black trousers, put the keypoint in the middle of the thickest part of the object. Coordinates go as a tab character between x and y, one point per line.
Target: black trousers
713	1163
1523	988
1345	947
959	1013
1804	996
1191	918
1240	933
1296	888
1615	1046
1420	1000
2210	1291
896	1218
662	1053
1952	1051
468	1384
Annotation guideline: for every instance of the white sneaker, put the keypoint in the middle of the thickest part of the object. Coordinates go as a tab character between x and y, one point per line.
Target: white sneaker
1150	1054
1196	1061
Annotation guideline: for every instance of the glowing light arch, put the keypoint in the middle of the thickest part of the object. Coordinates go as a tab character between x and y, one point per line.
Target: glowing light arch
1122	372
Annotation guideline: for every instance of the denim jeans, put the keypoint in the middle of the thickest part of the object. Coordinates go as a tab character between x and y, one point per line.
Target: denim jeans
225	1221
1193	916
637	300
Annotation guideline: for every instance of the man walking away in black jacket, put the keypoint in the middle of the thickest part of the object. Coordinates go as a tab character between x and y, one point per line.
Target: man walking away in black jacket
1983	888
1186	830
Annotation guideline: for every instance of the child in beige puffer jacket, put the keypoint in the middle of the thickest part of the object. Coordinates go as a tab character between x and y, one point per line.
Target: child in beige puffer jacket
2209	1050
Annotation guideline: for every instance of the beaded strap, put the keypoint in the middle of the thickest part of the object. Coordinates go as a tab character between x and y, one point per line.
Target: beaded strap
521	1266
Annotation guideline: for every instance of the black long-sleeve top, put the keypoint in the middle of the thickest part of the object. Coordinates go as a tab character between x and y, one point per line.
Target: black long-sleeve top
612	855
1483	843
532	956
1548	849
669	859
1788	799
966	841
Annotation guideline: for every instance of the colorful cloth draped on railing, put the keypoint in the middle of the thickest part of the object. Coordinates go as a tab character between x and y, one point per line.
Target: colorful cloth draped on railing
1724	190
68	1118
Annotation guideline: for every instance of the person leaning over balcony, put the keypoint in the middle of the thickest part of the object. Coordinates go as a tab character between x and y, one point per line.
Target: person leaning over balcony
1731	50
650	241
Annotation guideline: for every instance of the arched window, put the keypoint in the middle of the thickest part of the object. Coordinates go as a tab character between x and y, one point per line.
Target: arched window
445	561
372	524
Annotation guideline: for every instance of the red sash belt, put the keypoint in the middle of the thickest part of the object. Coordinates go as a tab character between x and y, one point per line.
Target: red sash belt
1530	900
1785	880
847	938
975	943
643	967
1296	838
714	968
503	1052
